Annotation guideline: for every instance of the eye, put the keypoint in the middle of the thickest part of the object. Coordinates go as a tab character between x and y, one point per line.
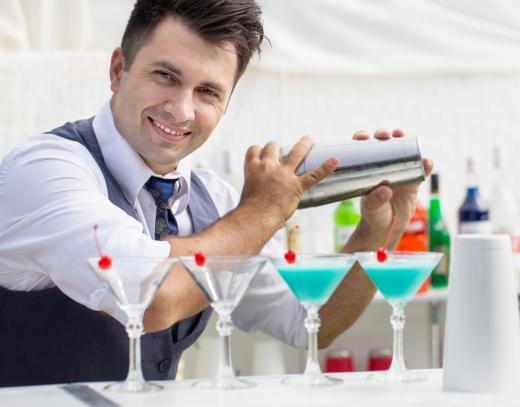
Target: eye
165	75
209	92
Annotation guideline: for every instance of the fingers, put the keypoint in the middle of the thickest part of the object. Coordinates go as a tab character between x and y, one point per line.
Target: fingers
361	135
271	151
398	133
252	155
380	134
428	166
377	198
313	177
298	152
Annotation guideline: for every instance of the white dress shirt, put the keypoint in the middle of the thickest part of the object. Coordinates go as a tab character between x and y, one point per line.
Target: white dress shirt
52	192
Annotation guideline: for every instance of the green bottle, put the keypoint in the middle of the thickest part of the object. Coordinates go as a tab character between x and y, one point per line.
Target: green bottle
346	218
439	236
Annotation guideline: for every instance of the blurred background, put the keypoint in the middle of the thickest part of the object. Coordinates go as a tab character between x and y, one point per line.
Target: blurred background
445	70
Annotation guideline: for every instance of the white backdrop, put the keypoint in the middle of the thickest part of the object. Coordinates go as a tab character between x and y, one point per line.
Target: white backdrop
310	36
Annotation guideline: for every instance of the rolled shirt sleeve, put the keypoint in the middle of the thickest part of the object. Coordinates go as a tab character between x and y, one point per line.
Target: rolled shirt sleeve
52	193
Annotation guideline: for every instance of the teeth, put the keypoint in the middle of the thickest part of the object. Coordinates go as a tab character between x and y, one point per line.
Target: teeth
167	130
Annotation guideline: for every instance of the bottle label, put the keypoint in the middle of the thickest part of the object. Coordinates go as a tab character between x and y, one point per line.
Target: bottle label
342	234
516	243
477	227
416	227
442	267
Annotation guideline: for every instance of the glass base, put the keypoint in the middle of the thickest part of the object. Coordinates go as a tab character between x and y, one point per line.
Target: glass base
133	387
312	380
397	377
224	384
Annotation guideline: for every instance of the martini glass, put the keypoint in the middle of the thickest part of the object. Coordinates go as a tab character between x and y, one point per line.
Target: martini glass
398	278
134	281
224	280
313	279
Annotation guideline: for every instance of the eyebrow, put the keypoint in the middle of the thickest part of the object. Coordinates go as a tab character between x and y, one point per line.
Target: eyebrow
167	65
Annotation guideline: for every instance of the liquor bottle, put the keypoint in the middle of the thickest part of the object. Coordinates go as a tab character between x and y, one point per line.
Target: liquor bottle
346	218
504	210
503	207
415	237
439	236
473	213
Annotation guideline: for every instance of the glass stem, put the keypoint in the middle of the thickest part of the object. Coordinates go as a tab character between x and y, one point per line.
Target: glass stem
134	329
224	327
397	320
312	324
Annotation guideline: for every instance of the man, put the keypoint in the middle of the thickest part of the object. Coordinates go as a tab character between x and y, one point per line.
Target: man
171	80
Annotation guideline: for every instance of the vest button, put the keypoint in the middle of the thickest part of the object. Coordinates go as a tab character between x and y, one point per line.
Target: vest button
164	365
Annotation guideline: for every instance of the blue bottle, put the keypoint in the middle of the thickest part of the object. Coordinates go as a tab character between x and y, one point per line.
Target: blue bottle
473	213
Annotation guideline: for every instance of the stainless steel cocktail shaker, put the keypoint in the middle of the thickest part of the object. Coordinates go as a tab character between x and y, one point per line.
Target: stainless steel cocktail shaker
363	165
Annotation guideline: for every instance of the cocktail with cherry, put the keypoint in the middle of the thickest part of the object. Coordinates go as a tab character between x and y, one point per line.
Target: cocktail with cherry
398	276
133	281
224	280
313	279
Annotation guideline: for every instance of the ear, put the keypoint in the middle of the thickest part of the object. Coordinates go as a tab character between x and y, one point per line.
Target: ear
117	64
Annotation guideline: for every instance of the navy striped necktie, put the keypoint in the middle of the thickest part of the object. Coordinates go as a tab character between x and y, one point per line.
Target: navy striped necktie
162	192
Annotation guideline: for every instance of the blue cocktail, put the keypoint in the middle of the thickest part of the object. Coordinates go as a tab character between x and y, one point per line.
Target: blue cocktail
313	279
398	278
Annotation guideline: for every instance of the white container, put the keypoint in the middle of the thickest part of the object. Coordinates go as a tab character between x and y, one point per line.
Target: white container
482	339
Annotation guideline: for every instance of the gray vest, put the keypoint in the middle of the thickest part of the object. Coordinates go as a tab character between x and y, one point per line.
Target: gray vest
45	337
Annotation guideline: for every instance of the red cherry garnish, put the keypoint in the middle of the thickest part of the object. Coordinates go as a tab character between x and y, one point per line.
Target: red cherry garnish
200	259
105	262
382	255
290	257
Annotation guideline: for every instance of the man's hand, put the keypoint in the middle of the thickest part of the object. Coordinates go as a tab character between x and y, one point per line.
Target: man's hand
380	205
271	185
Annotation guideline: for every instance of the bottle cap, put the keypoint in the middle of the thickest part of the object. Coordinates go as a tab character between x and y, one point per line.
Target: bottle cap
434	185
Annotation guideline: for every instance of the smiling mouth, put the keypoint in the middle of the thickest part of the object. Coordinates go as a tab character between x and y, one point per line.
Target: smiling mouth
168	133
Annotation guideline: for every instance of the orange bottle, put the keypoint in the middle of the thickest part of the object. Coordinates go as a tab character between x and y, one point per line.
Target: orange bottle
415	237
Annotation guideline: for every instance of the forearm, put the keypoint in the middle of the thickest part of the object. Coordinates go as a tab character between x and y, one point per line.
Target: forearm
243	231
356	291
178	298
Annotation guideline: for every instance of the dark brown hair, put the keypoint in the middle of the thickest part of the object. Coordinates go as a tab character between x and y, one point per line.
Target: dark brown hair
216	21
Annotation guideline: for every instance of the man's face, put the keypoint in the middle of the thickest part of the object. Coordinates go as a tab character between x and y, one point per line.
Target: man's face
172	97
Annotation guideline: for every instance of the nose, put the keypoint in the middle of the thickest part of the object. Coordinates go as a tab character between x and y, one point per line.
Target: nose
180	106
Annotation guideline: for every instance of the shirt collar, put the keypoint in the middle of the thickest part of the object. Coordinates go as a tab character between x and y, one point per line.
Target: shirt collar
128	168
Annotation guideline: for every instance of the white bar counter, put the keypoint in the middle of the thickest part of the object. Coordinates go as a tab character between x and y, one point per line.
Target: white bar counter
355	391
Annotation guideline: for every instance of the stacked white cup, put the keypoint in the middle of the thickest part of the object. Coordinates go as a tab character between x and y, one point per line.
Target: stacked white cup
482	339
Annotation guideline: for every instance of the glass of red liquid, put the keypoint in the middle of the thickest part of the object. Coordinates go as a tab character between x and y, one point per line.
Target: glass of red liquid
379	359
339	361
